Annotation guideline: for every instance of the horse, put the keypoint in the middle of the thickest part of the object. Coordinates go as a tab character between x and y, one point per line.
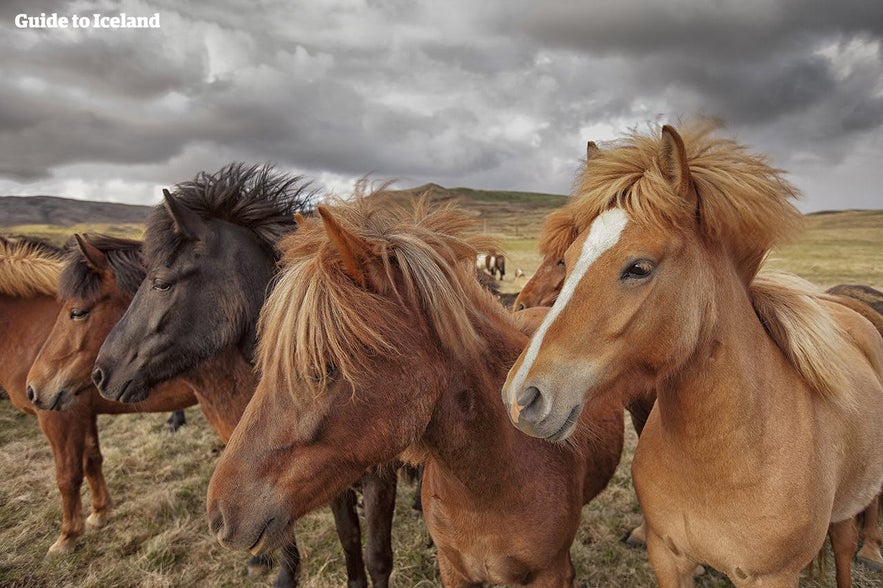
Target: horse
493	263
379	340
29	276
210	255
765	434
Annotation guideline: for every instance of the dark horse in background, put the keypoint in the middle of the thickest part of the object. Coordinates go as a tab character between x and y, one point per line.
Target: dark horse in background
211	257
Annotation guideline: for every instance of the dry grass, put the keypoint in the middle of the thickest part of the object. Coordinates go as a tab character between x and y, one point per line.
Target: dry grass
158	533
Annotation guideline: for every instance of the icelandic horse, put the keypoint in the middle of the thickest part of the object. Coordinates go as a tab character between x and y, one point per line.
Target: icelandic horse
379	340
765	435
29	278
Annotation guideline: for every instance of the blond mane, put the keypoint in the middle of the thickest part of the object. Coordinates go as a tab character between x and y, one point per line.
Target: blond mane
790	309
743	202
29	267
318	322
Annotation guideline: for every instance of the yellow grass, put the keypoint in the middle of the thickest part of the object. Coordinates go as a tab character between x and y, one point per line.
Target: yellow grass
158	534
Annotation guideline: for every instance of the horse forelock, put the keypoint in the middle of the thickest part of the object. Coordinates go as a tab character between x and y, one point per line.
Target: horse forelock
256	197
80	281
743	203
319	322
29	266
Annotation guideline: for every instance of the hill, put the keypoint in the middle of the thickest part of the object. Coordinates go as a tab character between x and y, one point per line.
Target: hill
52	210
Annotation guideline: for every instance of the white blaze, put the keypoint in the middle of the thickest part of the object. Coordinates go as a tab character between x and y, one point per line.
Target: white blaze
603	234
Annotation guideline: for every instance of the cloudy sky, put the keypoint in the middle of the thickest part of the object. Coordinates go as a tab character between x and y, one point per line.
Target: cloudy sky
497	94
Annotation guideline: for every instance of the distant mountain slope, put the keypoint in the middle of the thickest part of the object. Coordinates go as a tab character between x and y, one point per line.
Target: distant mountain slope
52	210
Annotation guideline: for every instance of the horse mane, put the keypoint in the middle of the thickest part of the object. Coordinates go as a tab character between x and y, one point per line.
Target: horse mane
320	322
558	233
81	281
256	197
790	310
744	204
29	266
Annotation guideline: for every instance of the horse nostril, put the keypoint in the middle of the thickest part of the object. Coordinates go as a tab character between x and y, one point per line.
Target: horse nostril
216	522
531	403
520	306
32	396
98	378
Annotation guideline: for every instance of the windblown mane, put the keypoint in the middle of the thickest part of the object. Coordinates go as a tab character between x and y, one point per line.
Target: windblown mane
790	310
318	321
744	203
29	266
80	281
559	232
256	197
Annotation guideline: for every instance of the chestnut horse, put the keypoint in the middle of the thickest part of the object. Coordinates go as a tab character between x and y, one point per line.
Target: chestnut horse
560	230
29	276
379	340
210	254
765	433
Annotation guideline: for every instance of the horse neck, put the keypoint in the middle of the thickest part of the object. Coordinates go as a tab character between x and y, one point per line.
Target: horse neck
24	325
470	437
223	384
726	390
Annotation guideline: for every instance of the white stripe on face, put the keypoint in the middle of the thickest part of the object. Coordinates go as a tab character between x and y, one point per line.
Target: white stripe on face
603	234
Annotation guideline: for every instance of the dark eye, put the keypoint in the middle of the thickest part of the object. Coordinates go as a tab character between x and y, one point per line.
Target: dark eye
161	285
638	270
560	263
78	314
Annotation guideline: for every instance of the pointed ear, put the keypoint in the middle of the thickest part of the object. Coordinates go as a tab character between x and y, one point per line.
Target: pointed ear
673	161
355	252
186	222
592	150
95	257
299	219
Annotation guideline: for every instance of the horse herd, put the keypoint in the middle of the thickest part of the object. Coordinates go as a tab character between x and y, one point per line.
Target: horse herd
327	346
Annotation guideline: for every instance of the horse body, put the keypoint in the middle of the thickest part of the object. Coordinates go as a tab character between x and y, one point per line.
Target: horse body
379	373
766	430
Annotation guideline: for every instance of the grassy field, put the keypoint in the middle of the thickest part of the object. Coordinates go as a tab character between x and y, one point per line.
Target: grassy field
158	534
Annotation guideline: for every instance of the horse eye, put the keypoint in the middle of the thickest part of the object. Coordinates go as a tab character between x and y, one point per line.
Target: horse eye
78	314
161	285
638	269
560	263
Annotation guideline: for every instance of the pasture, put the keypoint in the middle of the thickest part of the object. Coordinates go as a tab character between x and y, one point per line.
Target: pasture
158	534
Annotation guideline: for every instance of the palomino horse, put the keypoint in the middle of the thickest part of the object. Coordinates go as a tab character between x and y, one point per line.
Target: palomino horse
210	252
378	339
765	433
29	275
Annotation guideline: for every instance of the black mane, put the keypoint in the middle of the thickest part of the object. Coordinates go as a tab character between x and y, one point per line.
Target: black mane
80	281
256	197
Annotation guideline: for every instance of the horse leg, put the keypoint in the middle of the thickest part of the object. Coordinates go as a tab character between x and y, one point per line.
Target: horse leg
289	566
672	568
92	461
869	554
65	437
844	542
417	505
639	410
347	522
379	491
176	420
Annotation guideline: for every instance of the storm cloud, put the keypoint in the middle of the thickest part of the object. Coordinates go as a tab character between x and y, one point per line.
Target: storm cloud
500	94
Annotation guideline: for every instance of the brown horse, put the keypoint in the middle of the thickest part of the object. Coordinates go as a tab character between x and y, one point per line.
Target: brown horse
378	339
29	275
765	434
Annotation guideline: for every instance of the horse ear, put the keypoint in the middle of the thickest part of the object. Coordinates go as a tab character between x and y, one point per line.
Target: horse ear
299	219
95	257
592	150
354	251
673	161
185	222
